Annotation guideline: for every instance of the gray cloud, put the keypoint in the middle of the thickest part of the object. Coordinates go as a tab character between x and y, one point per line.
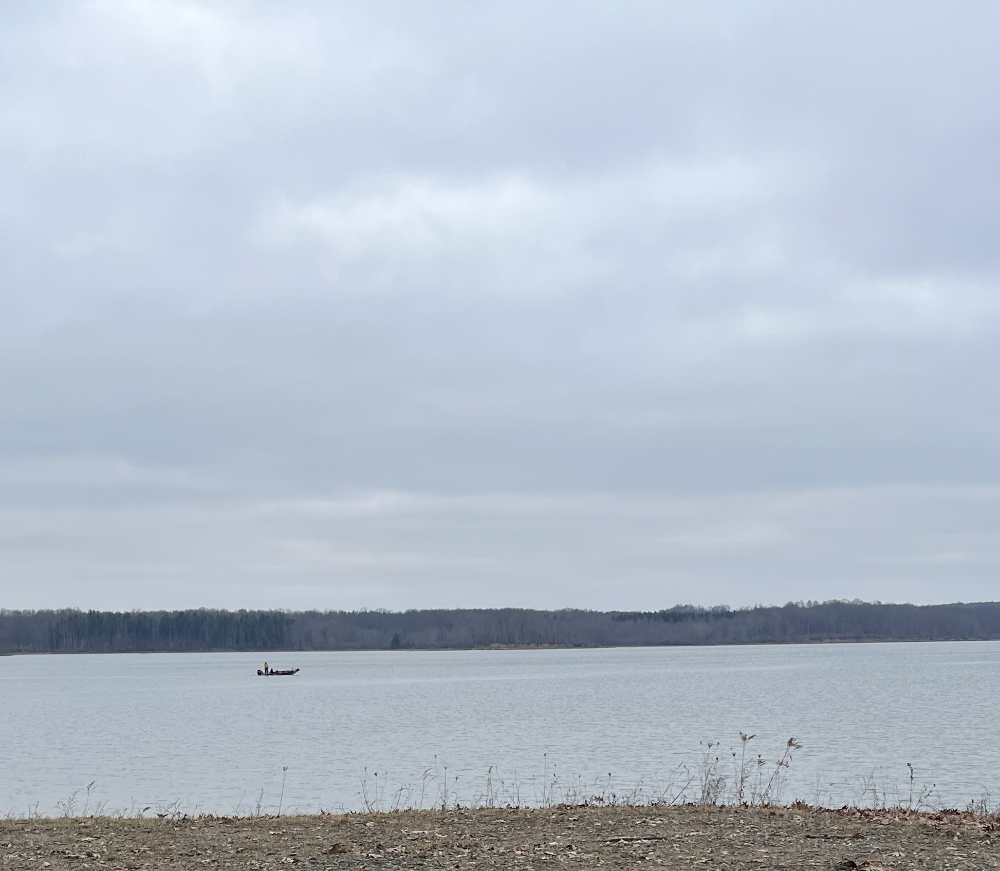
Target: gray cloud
603	306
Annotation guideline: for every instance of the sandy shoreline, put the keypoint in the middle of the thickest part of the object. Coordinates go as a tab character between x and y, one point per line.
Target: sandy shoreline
687	837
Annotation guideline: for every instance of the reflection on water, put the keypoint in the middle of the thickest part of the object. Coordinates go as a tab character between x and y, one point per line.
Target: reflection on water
205	731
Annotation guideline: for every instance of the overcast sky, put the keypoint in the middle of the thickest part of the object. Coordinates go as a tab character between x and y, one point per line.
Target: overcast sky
607	305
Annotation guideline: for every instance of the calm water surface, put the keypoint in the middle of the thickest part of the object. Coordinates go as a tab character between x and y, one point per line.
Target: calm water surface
202	732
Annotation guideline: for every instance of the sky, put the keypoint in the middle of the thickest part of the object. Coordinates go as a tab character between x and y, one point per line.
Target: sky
442	304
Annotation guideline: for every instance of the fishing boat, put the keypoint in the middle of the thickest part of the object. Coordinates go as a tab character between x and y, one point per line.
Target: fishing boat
278	672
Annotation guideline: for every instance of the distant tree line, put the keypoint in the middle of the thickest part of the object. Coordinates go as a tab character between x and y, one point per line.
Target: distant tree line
73	631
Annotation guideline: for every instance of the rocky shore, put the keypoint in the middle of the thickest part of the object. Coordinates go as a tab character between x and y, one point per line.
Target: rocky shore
687	837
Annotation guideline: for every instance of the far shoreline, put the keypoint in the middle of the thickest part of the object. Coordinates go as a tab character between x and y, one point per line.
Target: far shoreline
204	630
506	648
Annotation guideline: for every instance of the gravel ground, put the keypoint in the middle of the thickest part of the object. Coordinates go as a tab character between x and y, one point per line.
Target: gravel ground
688	837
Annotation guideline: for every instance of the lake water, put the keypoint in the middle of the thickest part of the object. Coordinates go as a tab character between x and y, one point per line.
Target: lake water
202	732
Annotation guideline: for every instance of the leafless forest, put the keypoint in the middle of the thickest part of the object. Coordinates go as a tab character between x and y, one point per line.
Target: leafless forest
73	631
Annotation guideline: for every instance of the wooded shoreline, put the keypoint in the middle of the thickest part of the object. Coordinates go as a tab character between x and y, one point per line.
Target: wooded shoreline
75	631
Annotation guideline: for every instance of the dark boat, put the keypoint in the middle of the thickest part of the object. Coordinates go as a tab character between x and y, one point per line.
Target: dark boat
269	672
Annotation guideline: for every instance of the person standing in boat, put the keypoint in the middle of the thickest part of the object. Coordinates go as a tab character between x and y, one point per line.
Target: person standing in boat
266	668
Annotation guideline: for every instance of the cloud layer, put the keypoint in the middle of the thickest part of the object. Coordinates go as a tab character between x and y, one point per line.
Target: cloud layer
561	306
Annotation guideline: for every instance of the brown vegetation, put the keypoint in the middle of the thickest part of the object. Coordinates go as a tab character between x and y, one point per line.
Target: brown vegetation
70	631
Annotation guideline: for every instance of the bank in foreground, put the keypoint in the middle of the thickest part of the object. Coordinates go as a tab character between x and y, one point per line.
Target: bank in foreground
687	837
